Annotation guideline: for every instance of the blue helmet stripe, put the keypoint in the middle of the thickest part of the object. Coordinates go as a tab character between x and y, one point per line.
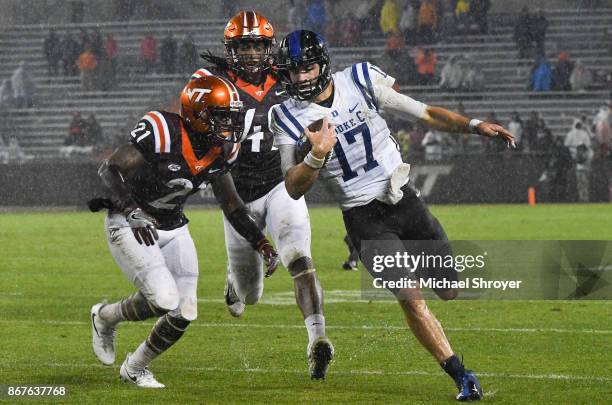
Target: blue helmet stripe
292	118
284	126
359	85
295	47
366	74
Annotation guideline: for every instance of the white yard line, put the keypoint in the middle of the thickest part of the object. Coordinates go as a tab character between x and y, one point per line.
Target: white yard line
198	324
562	377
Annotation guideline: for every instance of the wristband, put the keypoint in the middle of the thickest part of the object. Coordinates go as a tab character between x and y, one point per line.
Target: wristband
313	162
473	124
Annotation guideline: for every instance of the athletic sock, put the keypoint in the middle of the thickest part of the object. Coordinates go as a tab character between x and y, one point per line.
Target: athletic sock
111	313
453	367
315	326
142	356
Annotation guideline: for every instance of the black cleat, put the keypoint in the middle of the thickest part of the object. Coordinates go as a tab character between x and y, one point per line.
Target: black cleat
321	354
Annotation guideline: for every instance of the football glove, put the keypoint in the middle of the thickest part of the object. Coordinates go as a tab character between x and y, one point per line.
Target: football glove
143	226
270	257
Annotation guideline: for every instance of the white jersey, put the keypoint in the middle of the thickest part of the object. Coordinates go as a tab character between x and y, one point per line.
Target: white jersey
366	154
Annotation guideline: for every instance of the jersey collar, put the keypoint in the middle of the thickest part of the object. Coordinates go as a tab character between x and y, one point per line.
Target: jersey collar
257	92
197	165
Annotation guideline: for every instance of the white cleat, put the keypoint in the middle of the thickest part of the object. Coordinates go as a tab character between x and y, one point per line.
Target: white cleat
102	336
142	378
234	305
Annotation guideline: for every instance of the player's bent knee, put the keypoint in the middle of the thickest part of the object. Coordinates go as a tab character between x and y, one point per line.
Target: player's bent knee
301	267
167	299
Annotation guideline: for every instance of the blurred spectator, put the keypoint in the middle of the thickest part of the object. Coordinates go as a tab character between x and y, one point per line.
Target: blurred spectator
522	34
84	40
581	77
425	61
87	66
53	52
463	18
187	54
111	51
408	22
427	22
561	73
70	54
543	139
75	141
14	153
515	126
316	17
389	18
346	32
539	26
23	87
603	131
6	94
367	13
4	156
296	14
416	136
579	144
541	76
168	54
104	75
474	79
148	53
97	43
432	142
397	62
92	131
479	10
531	130
557	171
452	74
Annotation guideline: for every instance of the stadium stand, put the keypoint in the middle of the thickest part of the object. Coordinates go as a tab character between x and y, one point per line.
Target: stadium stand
42	129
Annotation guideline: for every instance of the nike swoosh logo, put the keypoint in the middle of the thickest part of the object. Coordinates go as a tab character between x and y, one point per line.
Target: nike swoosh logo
131	377
93	317
280	93
213	170
353	109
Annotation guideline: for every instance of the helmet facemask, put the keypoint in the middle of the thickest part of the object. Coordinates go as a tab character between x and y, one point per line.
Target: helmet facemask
227	123
249	65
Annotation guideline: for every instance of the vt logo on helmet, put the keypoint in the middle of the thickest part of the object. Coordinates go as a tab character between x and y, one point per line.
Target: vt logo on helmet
211	106
299	52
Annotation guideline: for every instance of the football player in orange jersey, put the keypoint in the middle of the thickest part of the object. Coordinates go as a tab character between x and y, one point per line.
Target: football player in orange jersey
168	158
247	63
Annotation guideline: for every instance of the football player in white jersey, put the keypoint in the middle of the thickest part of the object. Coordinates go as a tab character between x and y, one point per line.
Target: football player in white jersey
354	154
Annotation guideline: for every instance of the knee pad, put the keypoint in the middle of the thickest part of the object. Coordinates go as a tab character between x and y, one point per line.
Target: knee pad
301	266
166	299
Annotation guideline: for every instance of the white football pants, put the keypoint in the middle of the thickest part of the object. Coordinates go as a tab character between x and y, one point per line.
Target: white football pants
165	273
287	222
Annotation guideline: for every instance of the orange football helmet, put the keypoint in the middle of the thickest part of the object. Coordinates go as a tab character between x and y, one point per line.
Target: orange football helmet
210	105
248	26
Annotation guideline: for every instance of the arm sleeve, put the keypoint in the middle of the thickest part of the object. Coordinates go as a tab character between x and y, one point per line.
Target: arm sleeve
399	104
288	160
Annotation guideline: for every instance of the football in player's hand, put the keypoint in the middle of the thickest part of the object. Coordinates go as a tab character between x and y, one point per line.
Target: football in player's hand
304	145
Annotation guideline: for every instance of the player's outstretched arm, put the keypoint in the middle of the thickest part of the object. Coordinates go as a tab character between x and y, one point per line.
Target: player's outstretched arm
300	178
240	217
445	120
126	162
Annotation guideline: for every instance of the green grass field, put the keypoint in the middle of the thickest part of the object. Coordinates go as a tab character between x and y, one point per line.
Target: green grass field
54	266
